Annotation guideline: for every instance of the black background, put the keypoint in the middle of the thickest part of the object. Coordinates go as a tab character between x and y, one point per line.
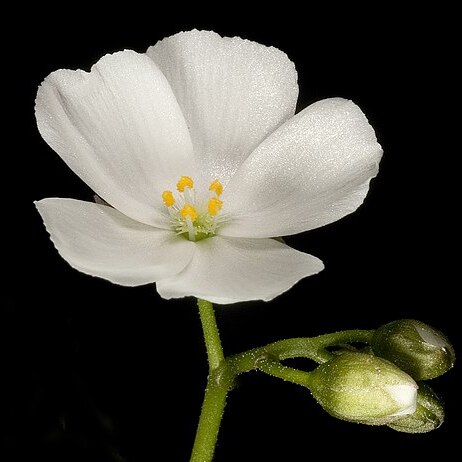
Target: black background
95	371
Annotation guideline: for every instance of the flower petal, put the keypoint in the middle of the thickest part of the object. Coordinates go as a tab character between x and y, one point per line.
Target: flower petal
100	241
313	170
120	129
233	93
227	270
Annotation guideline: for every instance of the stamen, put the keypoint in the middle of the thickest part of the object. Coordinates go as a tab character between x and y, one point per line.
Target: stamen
188	211
216	187
191	215
167	197
184	182
214	206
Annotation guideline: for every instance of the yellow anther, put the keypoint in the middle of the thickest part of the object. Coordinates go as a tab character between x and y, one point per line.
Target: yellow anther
216	187
184	182
167	197
214	206
188	211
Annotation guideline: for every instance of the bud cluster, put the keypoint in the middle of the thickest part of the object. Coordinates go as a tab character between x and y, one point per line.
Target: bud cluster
379	387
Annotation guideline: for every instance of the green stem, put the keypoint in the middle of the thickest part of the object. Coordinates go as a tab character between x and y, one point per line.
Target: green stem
315	347
312	348
299	348
211	335
276	369
218	384
213	408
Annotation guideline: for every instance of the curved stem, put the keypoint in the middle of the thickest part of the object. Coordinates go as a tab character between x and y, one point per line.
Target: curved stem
276	369
315	348
312	348
309	348
345	336
211	334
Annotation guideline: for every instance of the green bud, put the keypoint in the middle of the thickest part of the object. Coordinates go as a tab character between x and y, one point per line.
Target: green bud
415	347
428	416
363	388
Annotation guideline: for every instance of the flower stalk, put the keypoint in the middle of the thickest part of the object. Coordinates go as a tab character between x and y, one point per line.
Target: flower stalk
213	408
216	391
211	334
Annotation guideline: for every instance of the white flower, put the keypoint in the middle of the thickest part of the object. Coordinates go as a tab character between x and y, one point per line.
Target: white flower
196	148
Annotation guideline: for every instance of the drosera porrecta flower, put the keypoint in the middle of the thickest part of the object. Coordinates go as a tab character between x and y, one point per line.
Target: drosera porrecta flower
196	148
198	163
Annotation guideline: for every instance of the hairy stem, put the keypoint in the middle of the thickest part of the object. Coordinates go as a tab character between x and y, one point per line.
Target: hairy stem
218	384
311	348
211	335
213	408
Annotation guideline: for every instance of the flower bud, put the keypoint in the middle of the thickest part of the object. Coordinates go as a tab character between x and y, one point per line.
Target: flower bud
428	416
416	348
363	388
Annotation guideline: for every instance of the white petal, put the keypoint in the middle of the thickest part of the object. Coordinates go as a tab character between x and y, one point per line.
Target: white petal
431	338
233	93
120	129
227	270
312	171
405	396
100	241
